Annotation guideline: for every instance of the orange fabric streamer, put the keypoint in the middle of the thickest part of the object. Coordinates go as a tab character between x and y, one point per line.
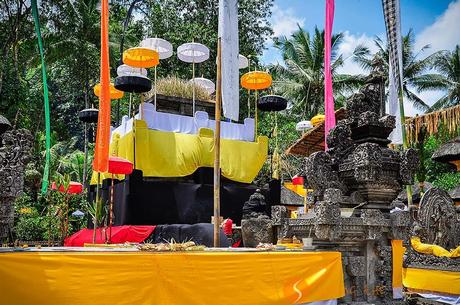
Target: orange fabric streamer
101	151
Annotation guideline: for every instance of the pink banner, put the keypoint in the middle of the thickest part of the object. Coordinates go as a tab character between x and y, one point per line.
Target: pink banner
328	96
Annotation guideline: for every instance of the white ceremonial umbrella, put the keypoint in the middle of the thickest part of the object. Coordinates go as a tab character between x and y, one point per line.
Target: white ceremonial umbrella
205	83
243	61
126	70
164	49
303	125
193	52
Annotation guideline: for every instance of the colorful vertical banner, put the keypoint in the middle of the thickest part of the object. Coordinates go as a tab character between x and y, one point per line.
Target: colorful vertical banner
328	94
392	16
101	150
46	99
228	32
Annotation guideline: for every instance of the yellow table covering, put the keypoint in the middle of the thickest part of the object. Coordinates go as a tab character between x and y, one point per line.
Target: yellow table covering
424	280
169	278
170	154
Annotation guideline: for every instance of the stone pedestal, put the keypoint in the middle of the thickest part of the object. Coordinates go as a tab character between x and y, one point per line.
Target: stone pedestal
256	230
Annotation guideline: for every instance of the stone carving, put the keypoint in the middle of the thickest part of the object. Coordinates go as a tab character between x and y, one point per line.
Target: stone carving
366	158
327	224
15	151
256	226
438	219
320	173
410	162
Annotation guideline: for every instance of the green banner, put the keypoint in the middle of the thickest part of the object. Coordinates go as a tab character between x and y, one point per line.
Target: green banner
45	95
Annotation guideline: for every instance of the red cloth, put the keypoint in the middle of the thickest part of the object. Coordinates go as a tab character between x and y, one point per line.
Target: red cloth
120	166
120	235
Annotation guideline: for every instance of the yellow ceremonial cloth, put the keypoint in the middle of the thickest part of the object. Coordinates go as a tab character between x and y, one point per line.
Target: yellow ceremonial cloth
170	154
433	249
432	280
398	253
98	278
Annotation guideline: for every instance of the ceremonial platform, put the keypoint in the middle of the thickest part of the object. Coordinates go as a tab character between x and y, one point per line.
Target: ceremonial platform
128	276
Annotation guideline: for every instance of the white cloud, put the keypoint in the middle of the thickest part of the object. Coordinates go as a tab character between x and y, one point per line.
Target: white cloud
444	33
285	21
346	48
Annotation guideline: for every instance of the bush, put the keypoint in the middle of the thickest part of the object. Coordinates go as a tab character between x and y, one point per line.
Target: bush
447	181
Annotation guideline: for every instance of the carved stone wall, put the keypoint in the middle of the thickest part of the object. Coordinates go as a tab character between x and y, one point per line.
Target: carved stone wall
15	151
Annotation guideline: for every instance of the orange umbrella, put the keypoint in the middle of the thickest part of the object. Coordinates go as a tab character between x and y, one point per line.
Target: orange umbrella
141	57
114	93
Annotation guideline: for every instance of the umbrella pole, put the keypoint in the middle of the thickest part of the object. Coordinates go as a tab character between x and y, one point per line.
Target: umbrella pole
95	209
217	148
111	212
193	87
66	227
155	87
256	118
249	103
130	104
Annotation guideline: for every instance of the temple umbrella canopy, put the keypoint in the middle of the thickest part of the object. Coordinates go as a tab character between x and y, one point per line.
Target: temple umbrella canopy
88	115
243	62
163	47
206	84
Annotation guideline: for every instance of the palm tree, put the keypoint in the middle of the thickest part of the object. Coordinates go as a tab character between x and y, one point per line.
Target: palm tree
414	69
301	78
448	65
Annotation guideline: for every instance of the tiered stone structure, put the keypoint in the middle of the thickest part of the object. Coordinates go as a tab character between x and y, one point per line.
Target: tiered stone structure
15	149
358	170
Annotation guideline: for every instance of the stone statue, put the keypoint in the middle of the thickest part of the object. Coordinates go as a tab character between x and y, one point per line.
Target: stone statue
15	152
256	226
255	206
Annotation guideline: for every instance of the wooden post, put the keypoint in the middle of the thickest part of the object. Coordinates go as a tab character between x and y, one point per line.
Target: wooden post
217	148
95	209
111	212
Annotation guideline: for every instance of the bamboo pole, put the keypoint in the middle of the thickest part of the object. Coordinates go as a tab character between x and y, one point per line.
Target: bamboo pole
217	148
405	143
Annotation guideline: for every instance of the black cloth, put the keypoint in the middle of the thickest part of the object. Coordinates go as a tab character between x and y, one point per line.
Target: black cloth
200	233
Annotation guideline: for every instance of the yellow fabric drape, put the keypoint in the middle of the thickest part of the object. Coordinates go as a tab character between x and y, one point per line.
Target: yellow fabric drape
169	154
433	249
170	278
397	255
432	280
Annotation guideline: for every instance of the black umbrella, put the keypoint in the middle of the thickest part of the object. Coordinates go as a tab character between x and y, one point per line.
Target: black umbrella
272	103
133	84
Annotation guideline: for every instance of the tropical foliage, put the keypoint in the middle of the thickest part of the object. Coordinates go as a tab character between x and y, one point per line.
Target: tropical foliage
300	77
447	63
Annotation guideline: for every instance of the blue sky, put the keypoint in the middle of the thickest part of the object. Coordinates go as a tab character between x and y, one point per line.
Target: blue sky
434	22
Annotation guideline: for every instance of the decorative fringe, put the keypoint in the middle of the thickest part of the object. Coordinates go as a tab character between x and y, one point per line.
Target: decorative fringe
431	122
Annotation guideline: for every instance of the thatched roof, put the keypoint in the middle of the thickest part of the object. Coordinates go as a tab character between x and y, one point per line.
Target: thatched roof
313	140
429	123
449	151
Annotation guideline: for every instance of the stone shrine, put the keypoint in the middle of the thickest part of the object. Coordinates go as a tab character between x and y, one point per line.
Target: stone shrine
355	183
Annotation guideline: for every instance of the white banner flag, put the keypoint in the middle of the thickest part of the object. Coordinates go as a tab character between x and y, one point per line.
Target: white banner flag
228	32
391	13
393	107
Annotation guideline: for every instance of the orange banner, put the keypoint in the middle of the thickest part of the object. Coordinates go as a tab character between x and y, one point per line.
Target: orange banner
101	151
